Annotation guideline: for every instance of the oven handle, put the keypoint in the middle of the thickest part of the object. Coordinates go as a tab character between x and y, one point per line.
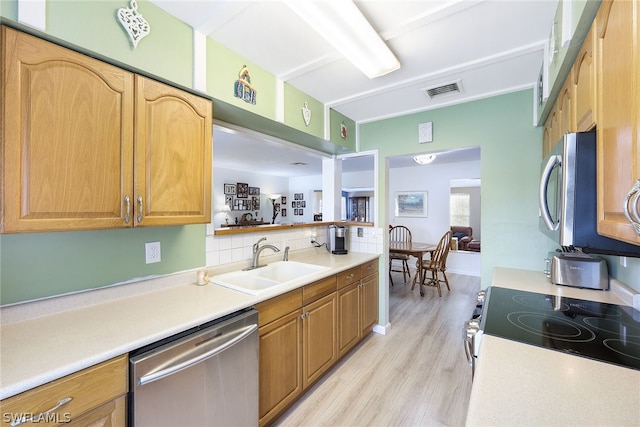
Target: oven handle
471	328
173	368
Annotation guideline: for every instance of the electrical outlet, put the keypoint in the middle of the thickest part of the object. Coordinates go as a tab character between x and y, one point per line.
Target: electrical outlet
152	252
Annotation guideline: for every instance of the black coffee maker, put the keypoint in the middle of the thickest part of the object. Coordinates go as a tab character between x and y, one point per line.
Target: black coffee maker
337	239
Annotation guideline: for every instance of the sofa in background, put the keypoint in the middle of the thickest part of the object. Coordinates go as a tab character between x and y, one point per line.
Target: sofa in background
466	242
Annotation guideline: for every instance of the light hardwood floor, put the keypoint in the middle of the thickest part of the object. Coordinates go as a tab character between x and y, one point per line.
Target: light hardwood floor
416	375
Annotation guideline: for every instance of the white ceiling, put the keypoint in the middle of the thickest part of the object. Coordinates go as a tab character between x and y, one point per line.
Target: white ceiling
490	47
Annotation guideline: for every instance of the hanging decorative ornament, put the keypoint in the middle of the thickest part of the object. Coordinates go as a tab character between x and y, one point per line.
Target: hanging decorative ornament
306	114
242	87
134	24
343	130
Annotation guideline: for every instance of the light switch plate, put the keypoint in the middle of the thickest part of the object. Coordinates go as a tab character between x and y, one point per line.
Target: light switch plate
425	132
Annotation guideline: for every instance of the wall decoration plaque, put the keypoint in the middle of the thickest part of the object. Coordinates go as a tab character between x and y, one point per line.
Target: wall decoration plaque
133	23
242	87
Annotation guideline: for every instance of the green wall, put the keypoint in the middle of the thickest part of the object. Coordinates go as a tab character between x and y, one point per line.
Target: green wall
43	264
223	67
510	160
295	101
335	120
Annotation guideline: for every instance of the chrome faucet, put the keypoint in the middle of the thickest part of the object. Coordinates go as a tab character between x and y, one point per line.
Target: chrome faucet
257	249
286	254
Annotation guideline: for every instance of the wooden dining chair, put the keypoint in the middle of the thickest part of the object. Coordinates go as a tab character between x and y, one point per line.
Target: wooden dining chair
399	233
437	265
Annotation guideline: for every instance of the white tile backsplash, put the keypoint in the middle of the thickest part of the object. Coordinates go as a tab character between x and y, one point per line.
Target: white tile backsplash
238	247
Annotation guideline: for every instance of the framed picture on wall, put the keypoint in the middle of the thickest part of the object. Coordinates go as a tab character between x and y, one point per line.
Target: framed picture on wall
283	212
242	190
229	189
411	204
284	200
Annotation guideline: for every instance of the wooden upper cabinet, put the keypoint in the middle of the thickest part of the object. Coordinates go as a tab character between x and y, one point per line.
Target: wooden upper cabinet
618	76
173	143
565	110
583	75
71	126
67	132
551	133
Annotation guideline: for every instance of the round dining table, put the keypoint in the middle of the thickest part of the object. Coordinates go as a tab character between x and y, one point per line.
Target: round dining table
416	249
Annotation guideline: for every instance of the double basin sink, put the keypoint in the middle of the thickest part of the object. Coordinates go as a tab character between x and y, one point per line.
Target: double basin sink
262	279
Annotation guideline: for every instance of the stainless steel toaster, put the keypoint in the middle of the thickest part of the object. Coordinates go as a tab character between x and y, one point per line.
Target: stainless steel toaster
578	270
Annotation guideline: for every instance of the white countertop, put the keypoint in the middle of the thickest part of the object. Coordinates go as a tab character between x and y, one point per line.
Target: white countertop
46	347
521	384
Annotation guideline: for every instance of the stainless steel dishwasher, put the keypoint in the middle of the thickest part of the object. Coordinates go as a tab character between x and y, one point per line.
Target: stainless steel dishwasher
206	376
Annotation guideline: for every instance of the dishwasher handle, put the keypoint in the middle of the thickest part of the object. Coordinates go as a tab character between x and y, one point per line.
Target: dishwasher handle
169	370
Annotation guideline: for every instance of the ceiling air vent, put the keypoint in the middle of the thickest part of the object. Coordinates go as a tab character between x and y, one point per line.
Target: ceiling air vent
445	89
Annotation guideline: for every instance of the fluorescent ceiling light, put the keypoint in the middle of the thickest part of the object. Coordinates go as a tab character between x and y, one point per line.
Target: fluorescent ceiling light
424	159
342	24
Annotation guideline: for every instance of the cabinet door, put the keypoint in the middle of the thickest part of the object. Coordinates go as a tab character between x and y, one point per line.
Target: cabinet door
97	395
369	303
584	79
111	414
67	136
551	129
173	144
280	365
566	113
319	338
349	330
618	116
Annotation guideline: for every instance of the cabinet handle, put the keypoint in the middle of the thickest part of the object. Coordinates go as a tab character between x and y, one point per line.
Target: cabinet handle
127	203
351	276
303	315
140	209
41	416
635	221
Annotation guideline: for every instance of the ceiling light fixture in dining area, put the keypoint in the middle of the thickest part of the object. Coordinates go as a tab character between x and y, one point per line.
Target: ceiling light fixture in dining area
342	24
424	159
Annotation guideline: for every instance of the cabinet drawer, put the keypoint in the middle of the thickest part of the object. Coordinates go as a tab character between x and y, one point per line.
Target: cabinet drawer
348	277
87	389
274	308
317	290
369	268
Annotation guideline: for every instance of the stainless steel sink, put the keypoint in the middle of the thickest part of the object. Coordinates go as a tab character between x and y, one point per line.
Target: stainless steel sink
262	279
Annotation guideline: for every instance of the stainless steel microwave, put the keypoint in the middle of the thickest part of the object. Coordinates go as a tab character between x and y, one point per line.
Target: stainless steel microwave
568	197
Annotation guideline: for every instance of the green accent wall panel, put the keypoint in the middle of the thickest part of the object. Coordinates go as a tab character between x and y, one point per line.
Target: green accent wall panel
511	152
40	265
335	136
9	9
223	68
167	52
294	102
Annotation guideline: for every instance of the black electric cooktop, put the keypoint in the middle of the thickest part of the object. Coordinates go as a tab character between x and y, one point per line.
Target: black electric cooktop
606	332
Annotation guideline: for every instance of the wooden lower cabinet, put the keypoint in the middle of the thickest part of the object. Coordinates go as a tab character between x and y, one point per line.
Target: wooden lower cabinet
319	338
300	334
96	396
357	307
349	331
369	302
280	365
